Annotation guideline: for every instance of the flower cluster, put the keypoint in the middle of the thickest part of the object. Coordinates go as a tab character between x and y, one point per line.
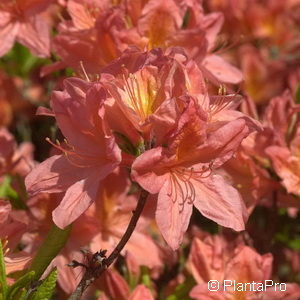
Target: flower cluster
159	137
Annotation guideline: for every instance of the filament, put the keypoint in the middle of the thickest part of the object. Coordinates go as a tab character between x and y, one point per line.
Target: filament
71	152
181	187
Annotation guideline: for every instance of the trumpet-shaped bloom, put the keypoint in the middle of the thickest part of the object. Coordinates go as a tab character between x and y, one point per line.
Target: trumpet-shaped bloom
90	155
182	172
145	90
283	147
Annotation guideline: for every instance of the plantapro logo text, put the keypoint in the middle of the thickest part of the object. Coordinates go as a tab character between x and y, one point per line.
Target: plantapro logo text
233	285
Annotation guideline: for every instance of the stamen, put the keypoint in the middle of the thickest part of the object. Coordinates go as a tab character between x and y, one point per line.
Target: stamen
84	72
57	146
184	176
70	153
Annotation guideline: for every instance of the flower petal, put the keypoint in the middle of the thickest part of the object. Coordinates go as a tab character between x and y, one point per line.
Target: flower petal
8	32
171	216
222	70
141	293
143	170
220	202
54	175
76	201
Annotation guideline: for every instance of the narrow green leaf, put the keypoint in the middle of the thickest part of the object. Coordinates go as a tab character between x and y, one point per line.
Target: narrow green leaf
3	283
20	283
52	245
46	289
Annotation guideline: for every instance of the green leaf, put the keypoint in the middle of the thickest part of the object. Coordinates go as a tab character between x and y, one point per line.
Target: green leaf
3	283
52	245
23	295
20	62
46	289
19	284
295	244
6	191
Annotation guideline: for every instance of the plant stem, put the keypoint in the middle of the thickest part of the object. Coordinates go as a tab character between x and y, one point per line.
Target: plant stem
91	275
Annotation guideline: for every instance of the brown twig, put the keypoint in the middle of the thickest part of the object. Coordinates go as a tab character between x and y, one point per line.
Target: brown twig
92	274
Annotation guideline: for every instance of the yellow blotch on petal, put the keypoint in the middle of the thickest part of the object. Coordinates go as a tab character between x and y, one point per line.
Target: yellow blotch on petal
141	89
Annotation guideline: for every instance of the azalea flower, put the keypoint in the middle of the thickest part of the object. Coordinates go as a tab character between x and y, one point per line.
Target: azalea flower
181	173
146	25
23	21
145	92
90	155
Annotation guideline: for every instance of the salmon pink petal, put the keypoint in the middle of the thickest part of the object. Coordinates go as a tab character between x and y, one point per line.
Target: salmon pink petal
220	202
8	32
163	119
77	113
248	265
212	24
222	70
143	170
35	35
222	143
76	201
68	278
7	143
5	209
54	175
141	246
114	285
287	167
31	7
205	261
172	217
159	21
141	293
17	262
82	14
